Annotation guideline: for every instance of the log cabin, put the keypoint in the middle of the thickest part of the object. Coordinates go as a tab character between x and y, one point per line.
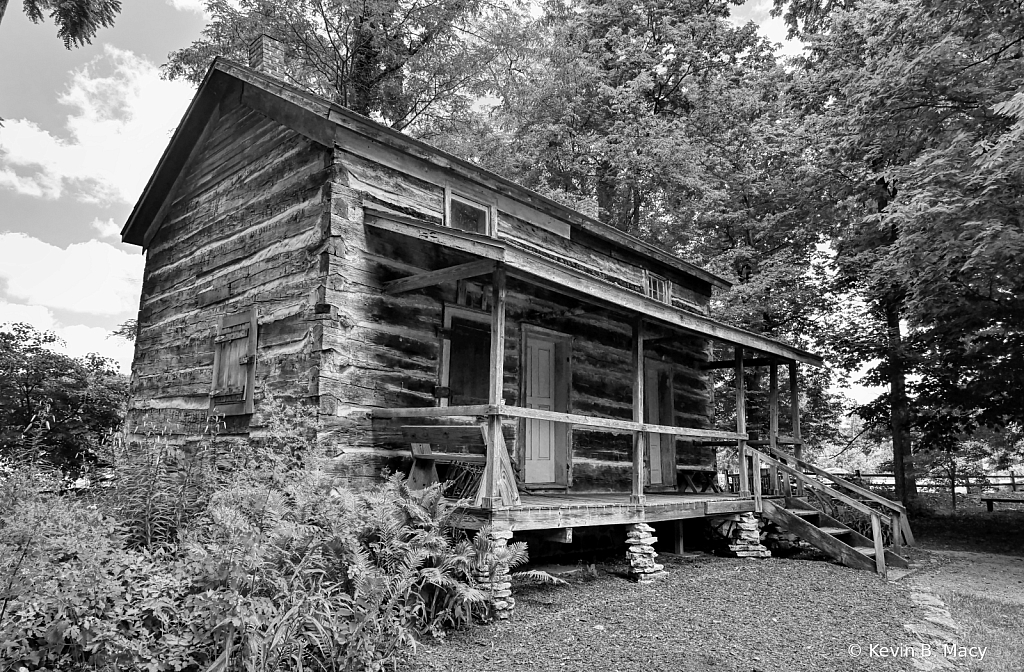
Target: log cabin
438	319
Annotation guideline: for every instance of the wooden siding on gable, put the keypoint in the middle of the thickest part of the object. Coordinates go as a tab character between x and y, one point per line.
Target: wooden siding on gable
241	232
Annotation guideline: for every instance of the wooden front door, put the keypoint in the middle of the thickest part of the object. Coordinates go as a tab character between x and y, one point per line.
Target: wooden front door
545	387
658	411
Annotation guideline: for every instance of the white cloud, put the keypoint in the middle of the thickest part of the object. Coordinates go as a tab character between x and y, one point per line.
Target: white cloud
91	277
78	339
107	228
197	6
115	133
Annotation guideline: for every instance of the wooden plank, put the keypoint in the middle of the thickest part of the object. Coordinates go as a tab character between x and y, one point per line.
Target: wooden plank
481	246
810	533
424	412
876	534
471	269
729	506
639	438
741	420
728	363
612	424
456	435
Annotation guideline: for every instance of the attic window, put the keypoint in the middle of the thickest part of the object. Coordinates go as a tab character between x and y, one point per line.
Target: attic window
468	215
658	288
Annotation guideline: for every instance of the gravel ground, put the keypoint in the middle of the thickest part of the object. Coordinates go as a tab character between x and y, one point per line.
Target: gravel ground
707	614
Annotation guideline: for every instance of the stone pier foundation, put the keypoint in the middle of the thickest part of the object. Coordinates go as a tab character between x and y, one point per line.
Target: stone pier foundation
741	533
492	575
641	554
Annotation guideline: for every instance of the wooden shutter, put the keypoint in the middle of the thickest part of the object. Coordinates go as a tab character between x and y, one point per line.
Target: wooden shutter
234	364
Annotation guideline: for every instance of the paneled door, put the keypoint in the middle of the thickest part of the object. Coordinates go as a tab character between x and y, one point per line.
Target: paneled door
539	441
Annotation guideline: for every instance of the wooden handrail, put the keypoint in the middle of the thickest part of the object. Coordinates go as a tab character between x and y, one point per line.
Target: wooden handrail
606	424
817	485
841	482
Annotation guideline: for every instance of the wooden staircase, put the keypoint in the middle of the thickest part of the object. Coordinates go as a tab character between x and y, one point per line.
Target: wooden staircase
782	499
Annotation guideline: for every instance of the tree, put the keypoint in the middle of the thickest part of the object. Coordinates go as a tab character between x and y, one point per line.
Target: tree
402	62
77	20
914	103
68	404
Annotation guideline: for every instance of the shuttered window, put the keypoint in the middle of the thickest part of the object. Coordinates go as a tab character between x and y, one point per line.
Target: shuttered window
234	364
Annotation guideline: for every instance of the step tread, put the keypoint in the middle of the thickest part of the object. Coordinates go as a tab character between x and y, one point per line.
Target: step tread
866	550
835	530
804	512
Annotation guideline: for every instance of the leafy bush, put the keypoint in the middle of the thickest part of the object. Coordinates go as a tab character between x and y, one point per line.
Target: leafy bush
205	560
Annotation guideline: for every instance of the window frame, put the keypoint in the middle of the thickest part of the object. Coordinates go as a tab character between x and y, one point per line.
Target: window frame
650	279
451	196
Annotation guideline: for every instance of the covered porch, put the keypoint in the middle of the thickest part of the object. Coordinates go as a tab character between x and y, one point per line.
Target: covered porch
499	498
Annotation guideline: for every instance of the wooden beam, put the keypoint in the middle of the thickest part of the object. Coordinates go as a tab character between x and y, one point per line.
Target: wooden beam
639	438
741	420
613	425
424	412
481	246
778	478
461	272
794	413
498	486
876	535
560	536
600	424
756	361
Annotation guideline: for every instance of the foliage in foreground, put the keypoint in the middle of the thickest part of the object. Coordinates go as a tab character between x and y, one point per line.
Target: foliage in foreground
187	564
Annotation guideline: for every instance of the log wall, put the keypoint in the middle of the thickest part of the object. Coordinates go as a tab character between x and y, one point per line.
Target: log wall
243	230
385	351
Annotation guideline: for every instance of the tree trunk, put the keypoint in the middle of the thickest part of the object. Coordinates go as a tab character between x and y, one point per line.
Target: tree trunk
899	410
607	194
364	70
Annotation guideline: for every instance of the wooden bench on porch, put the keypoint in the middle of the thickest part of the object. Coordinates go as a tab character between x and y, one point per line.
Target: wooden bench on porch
447	444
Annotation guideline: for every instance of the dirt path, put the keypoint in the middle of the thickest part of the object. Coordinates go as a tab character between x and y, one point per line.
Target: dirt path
988	575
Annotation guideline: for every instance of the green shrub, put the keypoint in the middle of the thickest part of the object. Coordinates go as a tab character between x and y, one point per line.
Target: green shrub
246	562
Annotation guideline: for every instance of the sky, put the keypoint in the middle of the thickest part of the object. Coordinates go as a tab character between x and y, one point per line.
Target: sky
82	131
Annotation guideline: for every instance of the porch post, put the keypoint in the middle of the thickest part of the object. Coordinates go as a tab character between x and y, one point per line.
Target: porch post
498	485
741	421
794	410
639	438
773	425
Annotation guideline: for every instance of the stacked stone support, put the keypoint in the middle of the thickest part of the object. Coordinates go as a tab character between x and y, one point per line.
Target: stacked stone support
641	554
492	575
742	535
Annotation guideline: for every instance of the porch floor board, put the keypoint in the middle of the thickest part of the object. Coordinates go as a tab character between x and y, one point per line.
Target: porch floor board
553	511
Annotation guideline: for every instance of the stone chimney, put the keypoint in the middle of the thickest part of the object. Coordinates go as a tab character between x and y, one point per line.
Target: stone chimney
267	55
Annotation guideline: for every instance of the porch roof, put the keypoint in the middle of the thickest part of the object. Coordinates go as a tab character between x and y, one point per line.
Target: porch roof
540	271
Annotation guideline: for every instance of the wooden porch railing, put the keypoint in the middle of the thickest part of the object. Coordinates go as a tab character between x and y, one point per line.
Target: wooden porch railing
498	458
896	519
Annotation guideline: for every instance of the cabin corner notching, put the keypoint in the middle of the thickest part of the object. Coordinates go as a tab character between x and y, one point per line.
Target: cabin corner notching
439	319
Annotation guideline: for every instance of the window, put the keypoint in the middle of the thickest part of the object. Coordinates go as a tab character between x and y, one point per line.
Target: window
234	364
658	288
467	215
